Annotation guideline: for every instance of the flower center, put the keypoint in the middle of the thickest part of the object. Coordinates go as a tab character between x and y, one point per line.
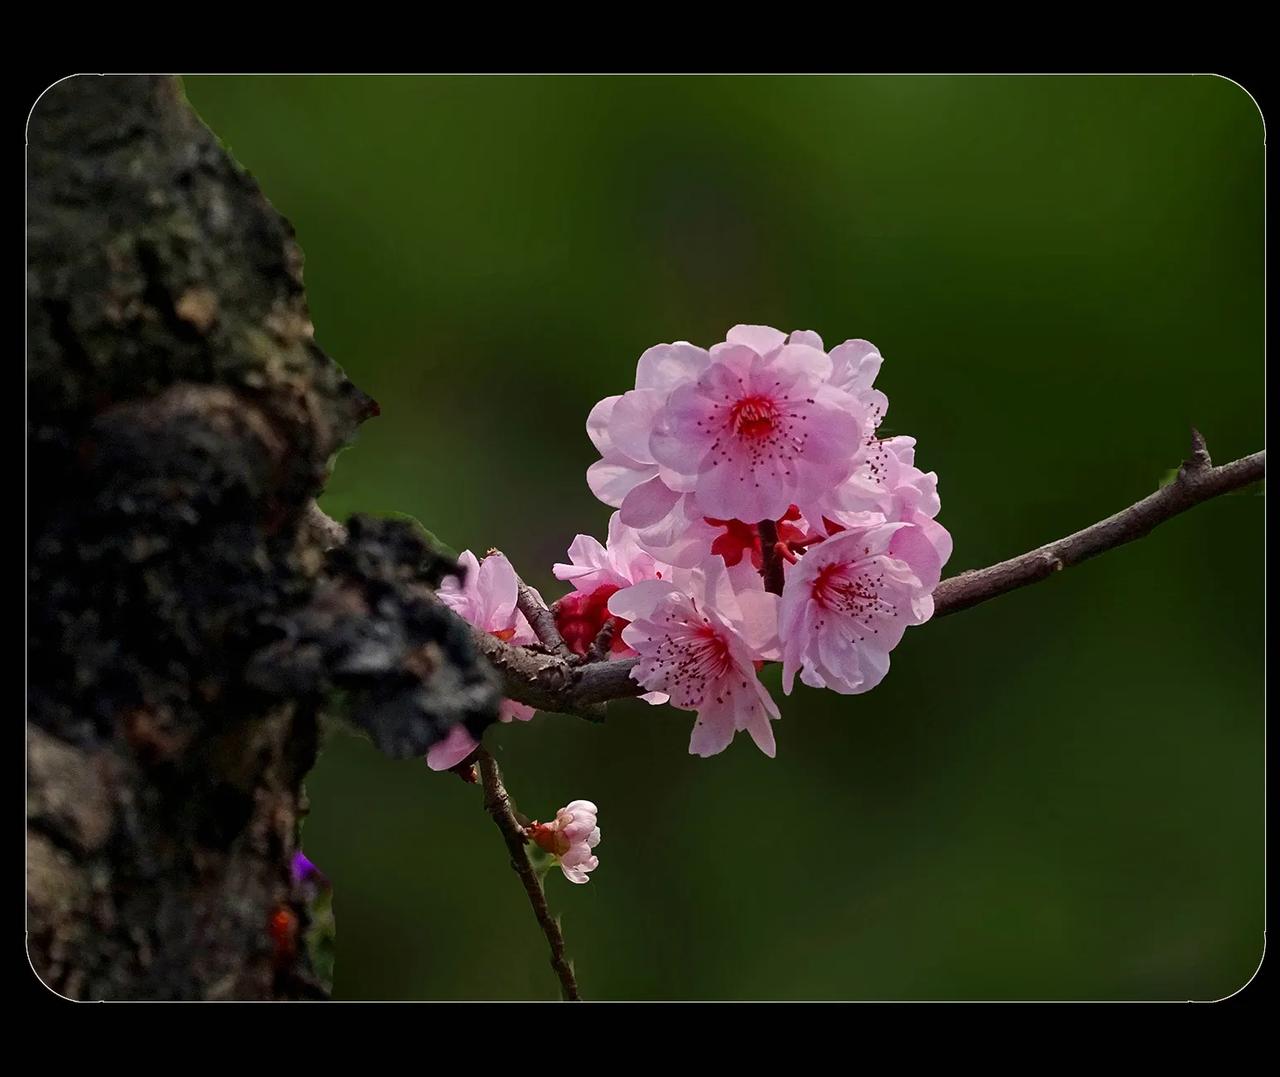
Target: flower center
840	588
708	654
739	538
753	417
580	616
693	656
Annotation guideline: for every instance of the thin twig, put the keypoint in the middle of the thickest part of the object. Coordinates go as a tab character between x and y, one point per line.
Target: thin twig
1198	480
498	804
542	620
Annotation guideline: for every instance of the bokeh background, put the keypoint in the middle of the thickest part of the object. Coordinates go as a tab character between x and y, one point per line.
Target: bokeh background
1055	795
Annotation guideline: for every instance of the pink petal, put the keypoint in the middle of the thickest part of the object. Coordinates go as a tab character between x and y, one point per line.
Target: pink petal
807	337
761	731
802	359
452	750
912	545
612	478
598	424
639	601
759	625
665	366
632	422
855	364
586	557
761	339
510	709
713	729
496	592
648	503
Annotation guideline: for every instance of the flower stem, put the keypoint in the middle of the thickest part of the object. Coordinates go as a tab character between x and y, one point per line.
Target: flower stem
498	804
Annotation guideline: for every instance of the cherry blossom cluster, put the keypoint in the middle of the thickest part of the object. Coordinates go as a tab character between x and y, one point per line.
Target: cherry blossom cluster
761	518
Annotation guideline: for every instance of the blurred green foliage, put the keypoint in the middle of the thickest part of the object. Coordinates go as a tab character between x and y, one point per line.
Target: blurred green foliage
1055	795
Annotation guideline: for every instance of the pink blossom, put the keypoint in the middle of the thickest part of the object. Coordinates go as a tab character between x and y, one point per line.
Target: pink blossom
887	482
621	562
485	598
760	428
699	639
582	615
728	433
706	448
570	837
619	426
598	572
848	601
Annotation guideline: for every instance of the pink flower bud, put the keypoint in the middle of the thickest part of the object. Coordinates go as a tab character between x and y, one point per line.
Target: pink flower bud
570	837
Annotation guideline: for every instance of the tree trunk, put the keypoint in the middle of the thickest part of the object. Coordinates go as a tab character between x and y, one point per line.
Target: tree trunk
186	624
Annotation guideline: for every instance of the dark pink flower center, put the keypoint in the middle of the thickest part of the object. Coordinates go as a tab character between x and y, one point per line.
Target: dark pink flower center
580	615
707	658
843	589
739	538
695	655
754	417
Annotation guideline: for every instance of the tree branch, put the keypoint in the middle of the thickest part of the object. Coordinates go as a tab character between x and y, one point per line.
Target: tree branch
602	645
565	685
541	619
772	571
551	685
1197	481
547	682
498	804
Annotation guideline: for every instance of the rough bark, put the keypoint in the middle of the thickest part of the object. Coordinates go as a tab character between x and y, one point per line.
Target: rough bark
186	625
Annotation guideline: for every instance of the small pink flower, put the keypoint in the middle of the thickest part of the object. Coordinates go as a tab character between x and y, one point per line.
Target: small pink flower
486	598
570	837
699	640
848	601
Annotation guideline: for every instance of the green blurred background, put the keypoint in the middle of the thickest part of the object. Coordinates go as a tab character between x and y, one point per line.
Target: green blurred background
1055	795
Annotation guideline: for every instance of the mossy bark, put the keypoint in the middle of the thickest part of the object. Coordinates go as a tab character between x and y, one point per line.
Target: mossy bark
187	617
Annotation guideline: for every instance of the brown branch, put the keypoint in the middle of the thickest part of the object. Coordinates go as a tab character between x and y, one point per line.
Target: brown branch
602	646
549	683
772	571
1197	481
566	685
498	804
541	620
